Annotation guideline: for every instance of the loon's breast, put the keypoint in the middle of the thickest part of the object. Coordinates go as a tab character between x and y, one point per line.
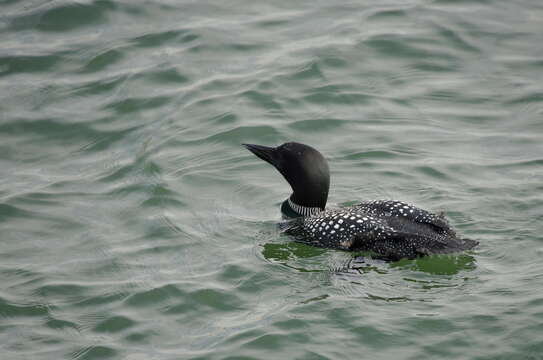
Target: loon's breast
391	229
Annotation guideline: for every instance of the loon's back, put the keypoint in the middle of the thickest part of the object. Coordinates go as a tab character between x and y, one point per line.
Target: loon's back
391	229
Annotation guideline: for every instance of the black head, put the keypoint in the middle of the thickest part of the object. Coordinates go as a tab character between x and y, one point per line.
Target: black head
305	169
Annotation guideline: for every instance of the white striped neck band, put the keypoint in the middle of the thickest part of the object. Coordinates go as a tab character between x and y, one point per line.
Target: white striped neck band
303	210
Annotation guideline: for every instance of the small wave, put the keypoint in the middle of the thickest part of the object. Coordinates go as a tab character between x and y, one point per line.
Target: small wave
58	17
162	38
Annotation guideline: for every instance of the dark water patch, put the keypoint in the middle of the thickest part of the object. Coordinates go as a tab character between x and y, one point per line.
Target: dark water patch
392	174
204	300
373	154
290	324
42	199
76	15
130	105
523	164
58	324
522	63
164	230
274	341
454	2
20	273
432	172
456	39
233	273
120	173
64	17
96	352
8	211
137	172
252	282
102	299
165	76
103	60
227	47
183	307
266	85
112	122
100	86
224	118
55	290
331	88
114	324
272	23
482	119
140	337
308	71
490	324
48	223
242	47
434	67
405	47
166	249
376	338
261	99
460	97
9	2
389	299
161	200
317	125
207	102
244	337
20	278
218	300
165	37
134	187
535	304
341	98
10	65
410	74
334	62
387	14
152	169
219	86
8	309
52	130
437	325
241	134
451	347
154	296
532	97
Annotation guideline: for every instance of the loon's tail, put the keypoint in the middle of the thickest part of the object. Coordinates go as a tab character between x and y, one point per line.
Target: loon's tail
446	245
467	244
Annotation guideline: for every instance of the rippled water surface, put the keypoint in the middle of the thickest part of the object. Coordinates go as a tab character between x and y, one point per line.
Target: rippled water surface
134	225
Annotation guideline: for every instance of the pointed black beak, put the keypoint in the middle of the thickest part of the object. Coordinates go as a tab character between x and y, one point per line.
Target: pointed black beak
268	154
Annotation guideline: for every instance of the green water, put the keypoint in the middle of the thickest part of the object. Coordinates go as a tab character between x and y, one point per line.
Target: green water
133	225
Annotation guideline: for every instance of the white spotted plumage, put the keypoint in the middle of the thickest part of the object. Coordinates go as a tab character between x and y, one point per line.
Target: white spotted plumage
371	225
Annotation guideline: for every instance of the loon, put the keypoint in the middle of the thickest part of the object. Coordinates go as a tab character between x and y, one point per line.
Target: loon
389	229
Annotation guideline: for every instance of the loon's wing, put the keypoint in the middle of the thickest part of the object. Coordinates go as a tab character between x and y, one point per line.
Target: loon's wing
338	229
399	209
400	244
